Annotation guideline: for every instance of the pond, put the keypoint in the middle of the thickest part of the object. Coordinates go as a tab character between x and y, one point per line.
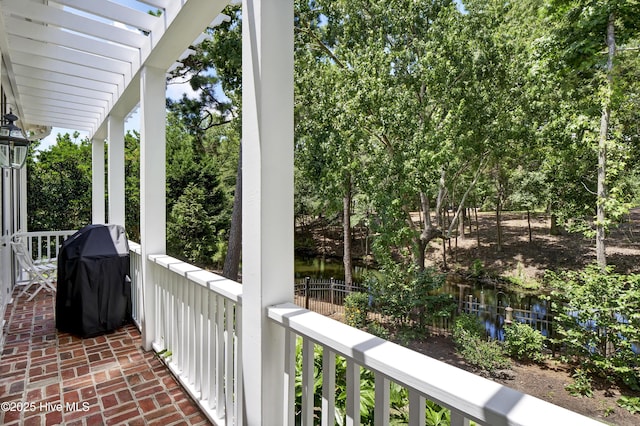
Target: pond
325	268
320	268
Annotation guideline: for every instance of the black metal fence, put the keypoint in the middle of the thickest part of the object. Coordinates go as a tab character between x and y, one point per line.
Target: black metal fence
327	298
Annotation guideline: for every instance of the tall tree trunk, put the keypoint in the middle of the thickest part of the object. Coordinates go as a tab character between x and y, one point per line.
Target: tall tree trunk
234	248
529	224
554	229
429	232
499	222
346	227
601	256
461	222
440	200
475	212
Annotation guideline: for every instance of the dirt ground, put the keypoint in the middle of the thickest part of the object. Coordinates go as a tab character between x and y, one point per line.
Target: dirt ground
545	252
519	257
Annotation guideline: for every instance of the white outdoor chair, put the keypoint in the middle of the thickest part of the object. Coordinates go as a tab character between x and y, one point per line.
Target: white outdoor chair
42	275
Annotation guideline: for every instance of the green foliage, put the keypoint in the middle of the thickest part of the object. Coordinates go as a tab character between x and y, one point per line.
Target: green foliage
630	403
477	268
486	355
191	229
597	320
469	337
467	327
435	415
198	195
132	185
59	186
581	385
406	294
377	329
521	279
356	307
523	342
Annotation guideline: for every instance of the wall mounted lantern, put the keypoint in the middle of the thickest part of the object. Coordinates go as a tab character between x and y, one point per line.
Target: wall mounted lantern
13	144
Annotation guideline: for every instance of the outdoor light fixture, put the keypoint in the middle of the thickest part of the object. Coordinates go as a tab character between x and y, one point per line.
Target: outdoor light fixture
13	144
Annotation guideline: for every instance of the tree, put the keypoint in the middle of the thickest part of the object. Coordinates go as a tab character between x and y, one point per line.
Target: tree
329	143
585	30
132	184
59	186
197	208
214	71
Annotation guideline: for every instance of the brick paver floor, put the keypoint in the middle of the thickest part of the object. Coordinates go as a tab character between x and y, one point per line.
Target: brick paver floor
50	378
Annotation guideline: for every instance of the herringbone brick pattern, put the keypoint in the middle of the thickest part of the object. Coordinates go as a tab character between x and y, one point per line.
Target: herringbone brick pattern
51	378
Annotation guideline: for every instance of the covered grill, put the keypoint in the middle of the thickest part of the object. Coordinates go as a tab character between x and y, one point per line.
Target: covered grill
94	288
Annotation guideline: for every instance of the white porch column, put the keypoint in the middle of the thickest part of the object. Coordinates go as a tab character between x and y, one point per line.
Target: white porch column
115	135
152	186
24	193
267	194
97	181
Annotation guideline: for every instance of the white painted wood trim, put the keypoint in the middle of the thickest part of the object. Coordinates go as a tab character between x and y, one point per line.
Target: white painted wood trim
97	182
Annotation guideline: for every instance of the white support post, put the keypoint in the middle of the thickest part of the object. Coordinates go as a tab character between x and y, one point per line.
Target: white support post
97	181
115	134
16	195
5	235
22	219
267	194
152	187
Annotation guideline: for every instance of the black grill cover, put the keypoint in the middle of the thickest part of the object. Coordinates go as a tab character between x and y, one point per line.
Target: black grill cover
94	289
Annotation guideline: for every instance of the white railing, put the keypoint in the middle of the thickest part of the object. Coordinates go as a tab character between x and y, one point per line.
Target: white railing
197	329
467	396
135	274
44	245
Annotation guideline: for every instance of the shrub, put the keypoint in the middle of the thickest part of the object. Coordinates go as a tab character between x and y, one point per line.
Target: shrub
406	294
597	320
524	343
477	268
356	308
469	337
630	403
486	355
467	327
581	385
377	329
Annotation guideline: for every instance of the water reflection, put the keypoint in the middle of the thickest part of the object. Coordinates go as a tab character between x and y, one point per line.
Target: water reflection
325	268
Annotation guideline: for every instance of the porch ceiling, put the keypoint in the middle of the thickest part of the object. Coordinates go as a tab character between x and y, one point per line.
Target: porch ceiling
72	63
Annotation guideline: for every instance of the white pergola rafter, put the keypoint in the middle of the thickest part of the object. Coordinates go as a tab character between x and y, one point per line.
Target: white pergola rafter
70	61
86	55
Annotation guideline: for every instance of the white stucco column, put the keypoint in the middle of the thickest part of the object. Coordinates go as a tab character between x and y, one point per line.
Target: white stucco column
97	181
115	135
267	196
153	232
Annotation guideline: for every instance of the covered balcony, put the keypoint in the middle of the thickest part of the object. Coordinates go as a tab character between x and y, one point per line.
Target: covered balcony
232	347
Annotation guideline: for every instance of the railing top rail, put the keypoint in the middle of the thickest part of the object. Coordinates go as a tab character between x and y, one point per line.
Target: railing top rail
46	233
477	398
217	283
135	247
